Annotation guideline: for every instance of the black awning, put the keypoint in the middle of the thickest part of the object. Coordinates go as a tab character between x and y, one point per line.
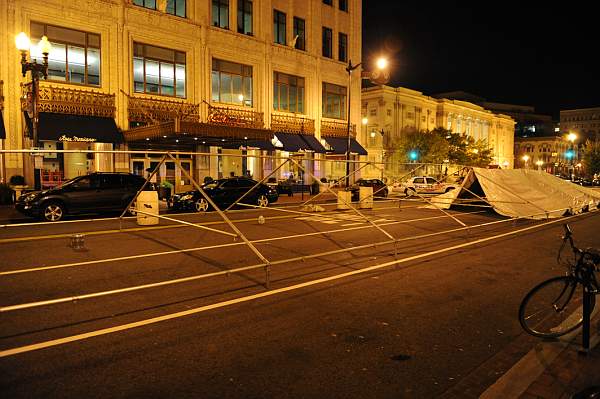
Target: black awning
2	130
314	144
77	128
292	142
340	144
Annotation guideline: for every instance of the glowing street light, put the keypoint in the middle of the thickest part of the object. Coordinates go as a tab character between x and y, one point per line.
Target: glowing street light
382	63
539	164
365	121
23	44
525	158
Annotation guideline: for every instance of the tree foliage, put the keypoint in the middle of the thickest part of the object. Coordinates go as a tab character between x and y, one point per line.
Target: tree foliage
591	157
439	145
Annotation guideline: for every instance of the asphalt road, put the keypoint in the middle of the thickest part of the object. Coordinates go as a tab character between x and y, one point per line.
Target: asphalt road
411	330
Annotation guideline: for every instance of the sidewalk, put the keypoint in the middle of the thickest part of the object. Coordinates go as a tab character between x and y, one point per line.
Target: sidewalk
553	370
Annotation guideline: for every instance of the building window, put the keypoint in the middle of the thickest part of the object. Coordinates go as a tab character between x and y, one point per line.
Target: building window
389	112
288	93
327	38
373	112
299	33
245	17
343	4
220	13
74	57
173	7
158	70
279	27
334	101
231	83
343	47
328	2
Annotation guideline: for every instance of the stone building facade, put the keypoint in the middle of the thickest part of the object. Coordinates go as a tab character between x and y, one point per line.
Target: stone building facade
388	111
584	122
215	76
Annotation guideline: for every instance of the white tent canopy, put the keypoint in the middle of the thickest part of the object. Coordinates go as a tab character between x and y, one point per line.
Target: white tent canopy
523	193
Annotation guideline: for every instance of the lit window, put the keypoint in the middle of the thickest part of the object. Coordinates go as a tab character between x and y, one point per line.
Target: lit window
158	70
288	93
231	83
334	101
343	4
74	57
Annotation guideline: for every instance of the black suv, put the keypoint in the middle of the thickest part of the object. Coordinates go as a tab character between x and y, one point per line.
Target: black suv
93	193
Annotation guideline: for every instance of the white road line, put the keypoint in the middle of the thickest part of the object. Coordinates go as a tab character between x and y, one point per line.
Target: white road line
105	331
352	224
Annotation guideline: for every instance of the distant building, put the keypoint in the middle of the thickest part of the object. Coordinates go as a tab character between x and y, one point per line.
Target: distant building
528	122
389	111
553	154
584	122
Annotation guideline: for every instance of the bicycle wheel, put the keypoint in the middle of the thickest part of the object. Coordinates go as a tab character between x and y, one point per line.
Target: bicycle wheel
553	308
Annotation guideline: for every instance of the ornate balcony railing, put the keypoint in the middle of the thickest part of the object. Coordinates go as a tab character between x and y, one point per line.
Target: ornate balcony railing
336	129
235	117
153	110
292	124
63	100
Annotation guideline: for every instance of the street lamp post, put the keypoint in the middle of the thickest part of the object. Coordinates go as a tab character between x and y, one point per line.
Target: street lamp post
349	69
37	70
525	159
572	137
381	64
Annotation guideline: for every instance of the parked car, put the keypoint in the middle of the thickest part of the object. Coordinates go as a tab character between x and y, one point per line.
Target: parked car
379	188
426	185
224	192
93	193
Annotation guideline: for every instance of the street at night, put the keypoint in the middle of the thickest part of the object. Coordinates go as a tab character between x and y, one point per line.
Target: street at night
413	329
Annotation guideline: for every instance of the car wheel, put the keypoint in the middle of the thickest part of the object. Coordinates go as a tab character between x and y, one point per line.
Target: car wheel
409	192
262	201
201	205
53	212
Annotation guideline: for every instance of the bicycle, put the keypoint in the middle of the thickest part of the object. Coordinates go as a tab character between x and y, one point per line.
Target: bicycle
555	307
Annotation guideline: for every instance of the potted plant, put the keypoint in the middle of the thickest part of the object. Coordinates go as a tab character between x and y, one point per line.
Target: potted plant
17	183
164	190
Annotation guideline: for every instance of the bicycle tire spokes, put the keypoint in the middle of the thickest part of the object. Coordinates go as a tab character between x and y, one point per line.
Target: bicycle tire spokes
553	308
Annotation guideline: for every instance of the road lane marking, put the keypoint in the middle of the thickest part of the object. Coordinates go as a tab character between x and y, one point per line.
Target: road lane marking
263	240
201	309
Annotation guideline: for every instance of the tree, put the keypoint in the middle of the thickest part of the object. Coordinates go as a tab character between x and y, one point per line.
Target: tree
465	150
420	146
591	157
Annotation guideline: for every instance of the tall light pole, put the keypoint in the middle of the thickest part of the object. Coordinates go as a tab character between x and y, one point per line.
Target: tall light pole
381	65
525	159
349	69
37	70
572	137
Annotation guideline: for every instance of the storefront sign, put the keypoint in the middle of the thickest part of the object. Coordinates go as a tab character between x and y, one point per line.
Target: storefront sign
76	139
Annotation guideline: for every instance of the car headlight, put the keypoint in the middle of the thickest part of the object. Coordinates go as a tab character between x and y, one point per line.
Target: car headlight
30	197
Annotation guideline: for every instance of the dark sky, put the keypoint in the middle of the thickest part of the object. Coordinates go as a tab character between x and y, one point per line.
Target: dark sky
526	53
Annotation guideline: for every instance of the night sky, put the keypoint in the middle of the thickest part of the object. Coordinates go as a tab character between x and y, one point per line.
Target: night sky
526	53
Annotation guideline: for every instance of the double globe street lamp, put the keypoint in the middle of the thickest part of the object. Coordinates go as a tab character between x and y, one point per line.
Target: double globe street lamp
23	44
